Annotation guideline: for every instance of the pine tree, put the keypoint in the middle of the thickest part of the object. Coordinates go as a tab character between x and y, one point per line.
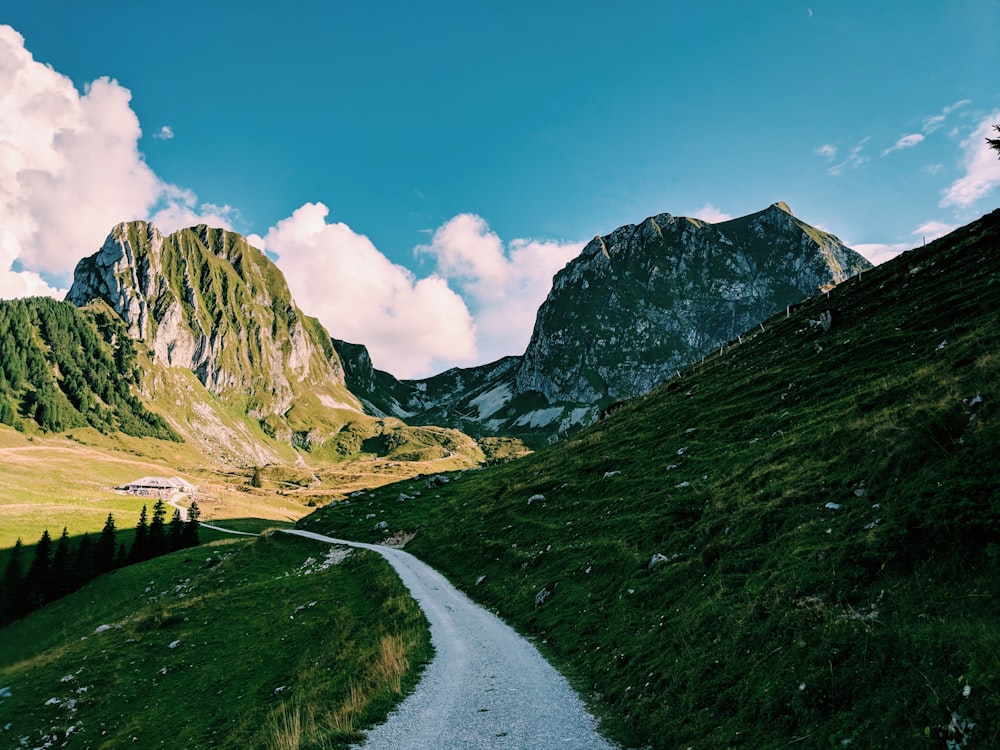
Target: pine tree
175	531
190	537
140	544
104	555
255	480
994	143
157	530
12	600
37	581
84	567
61	581
121	558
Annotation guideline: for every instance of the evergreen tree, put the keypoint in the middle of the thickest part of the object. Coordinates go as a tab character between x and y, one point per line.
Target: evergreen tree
140	544
12	600
190	536
84	568
37	581
121	558
61	581
6	412
157	530
104	555
995	142
255	480
175	531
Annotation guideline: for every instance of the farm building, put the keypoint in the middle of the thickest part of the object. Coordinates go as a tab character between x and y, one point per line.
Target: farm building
160	486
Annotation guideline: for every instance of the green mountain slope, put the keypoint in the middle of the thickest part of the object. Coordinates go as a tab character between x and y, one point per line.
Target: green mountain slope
230	360
793	543
62	368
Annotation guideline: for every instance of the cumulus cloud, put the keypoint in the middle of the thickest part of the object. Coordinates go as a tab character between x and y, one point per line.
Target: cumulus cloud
179	209
906	141
504	285
477	304
70	169
982	168
877	252
932	230
881	252
411	326
711	214
164	134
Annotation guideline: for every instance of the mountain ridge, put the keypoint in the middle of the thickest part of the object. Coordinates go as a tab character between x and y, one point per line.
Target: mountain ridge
636	305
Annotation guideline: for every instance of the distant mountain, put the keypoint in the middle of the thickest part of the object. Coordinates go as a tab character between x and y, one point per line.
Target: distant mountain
208	312
203	302
633	308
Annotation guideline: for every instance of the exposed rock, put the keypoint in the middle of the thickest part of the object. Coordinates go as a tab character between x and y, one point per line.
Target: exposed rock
657	559
633	309
542	596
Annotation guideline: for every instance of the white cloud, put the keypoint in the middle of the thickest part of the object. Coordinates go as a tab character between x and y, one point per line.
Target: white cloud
711	214
179	209
877	252
932	230
934	122
504	286
828	151
164	134
881	252
906	141
853	161
982	167
70	169
411	326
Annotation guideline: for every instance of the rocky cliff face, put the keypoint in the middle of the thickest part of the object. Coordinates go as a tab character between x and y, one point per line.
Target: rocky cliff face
205	300
642	302
631	310
213	311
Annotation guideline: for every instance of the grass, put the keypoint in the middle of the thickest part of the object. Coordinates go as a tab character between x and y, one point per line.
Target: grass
237	644
793	543
51	482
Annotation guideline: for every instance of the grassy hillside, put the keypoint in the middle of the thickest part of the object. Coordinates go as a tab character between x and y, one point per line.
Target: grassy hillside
794	543
265	644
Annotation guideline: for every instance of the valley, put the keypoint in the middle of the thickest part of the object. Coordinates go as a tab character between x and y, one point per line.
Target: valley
789	536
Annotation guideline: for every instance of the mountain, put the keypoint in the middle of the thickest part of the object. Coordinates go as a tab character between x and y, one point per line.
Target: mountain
793	543
210	309
632	309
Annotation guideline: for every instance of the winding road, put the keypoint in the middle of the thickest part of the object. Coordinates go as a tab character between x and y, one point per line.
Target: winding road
486	687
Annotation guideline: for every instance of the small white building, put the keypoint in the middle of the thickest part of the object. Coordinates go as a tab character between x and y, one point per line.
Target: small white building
160	487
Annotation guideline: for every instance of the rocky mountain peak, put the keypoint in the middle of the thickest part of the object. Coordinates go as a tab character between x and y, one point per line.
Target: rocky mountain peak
644	300
634	307
206	300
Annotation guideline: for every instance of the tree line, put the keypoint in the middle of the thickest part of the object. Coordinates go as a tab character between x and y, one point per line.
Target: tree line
59	567
63	368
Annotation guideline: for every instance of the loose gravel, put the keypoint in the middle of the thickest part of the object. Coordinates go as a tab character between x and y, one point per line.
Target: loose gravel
486	687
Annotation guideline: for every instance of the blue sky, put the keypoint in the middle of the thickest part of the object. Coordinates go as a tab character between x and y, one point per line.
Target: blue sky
419	171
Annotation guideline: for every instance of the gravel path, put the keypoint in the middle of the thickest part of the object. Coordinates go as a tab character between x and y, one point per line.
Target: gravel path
486	686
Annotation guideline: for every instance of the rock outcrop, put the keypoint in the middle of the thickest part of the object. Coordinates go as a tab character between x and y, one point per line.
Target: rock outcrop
205	300
631	310
207	304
